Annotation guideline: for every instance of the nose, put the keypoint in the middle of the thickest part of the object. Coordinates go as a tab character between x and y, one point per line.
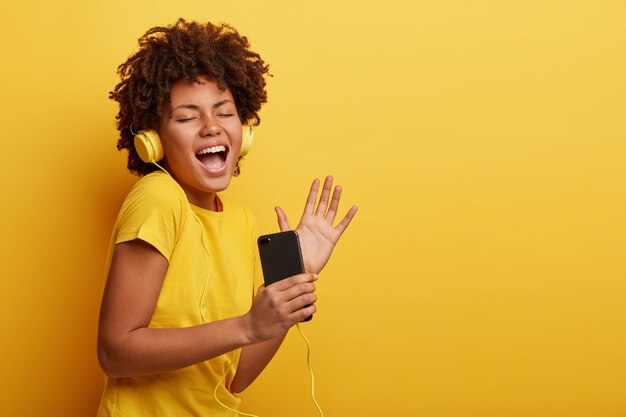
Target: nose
210	127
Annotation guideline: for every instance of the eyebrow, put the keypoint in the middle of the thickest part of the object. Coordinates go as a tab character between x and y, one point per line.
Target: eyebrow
196	107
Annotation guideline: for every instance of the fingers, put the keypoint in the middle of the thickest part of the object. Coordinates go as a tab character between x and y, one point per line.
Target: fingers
281	305
295	286
323	203
310	201
285	284
283	223
323	209
301	291
303	301
343	224
334	204
301	314
293	294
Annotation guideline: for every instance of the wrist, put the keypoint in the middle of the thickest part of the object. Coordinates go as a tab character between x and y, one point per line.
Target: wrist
247	330
309	269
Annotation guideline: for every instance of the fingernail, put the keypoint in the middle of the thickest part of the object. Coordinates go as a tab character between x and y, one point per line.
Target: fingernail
314	276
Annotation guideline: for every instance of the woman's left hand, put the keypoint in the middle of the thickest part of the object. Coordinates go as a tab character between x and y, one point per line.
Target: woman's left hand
317	235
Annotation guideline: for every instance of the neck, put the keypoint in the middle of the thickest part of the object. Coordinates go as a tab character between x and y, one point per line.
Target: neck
208	201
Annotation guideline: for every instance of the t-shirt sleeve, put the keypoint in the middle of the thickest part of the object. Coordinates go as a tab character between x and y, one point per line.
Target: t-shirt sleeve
154	212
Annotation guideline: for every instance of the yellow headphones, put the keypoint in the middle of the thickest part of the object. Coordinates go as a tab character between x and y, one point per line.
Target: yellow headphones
148	144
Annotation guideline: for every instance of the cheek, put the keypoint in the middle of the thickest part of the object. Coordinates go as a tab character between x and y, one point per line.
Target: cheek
175	154
235	136
176	139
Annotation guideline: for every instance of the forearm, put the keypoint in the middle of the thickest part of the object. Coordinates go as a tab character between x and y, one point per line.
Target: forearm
127	346
148	350
253	360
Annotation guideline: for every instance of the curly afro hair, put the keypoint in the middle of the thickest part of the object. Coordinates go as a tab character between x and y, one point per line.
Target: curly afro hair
184	50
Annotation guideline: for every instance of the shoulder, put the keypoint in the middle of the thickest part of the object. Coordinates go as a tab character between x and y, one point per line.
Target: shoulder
155	196
155	211
156	191
157	185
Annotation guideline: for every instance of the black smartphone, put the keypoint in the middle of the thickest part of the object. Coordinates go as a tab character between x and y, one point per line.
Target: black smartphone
281	257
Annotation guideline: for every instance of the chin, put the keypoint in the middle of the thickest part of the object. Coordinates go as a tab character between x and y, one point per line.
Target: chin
220	184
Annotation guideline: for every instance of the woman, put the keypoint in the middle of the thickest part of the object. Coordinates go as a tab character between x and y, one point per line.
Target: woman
181	329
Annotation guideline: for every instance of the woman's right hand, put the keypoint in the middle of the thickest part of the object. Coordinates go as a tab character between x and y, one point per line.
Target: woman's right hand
278	307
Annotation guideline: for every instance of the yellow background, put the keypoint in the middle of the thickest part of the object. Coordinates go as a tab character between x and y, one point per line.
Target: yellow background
484	142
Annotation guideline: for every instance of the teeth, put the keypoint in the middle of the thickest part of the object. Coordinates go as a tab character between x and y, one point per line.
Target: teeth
212	149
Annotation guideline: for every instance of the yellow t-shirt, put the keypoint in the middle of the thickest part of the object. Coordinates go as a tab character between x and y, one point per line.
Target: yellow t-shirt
211	274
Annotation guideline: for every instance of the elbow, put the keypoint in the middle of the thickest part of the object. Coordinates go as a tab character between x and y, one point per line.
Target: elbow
238	386
237	389
108	364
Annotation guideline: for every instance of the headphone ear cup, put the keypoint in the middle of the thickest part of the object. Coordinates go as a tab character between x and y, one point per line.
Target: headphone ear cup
148	146
247	136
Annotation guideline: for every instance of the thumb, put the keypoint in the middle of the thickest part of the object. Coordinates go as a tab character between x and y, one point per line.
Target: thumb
283	223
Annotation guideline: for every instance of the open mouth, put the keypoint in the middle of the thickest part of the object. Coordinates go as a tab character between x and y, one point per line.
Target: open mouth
213	157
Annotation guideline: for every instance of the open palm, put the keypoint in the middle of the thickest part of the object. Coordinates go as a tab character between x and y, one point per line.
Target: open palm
317	235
